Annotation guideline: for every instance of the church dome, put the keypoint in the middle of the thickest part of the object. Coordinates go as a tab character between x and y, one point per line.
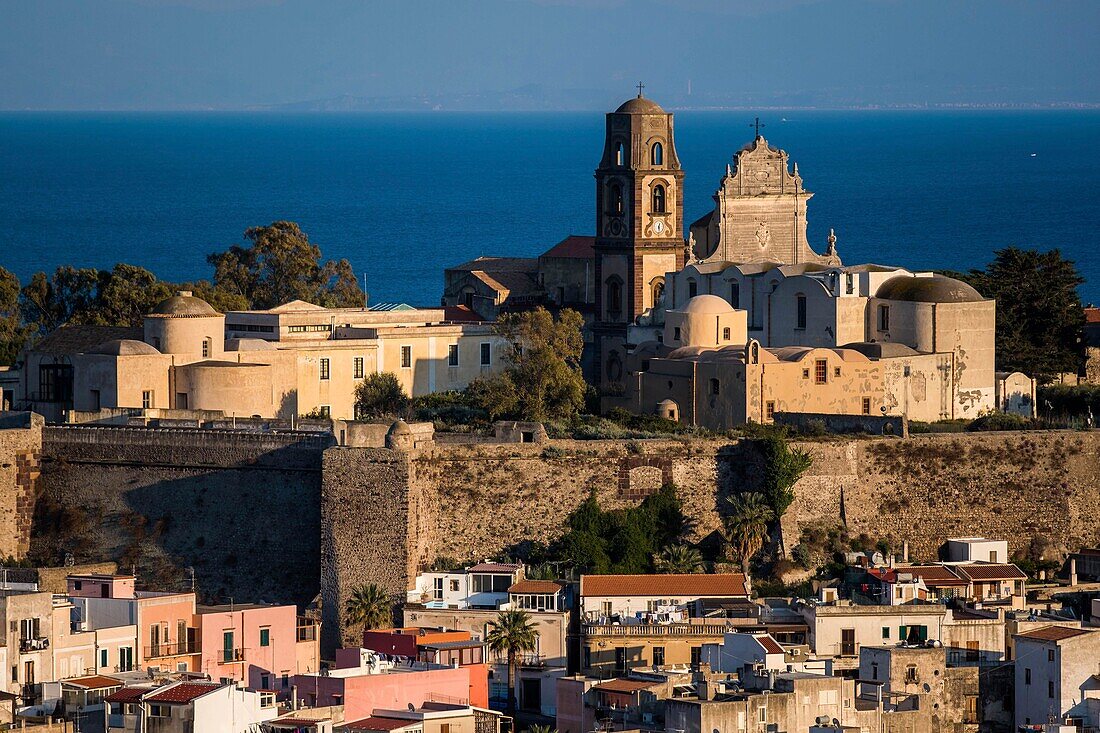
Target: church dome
935	289
639	106
183	305
124	347
707	305
247	344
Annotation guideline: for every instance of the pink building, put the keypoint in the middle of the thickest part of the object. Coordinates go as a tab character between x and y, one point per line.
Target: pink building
381	684
260	646
167	637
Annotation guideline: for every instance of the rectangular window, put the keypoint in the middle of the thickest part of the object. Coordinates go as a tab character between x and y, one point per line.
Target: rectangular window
821	371
849	283
357	367
325	410
1027	675
676	333
725	334
324	369
147	399
884	318
452	355
801	315
769	409
486	354
406	357
102	658
265	638
805	373
973	652
866	405
885	632
658	656
227	646
1050	688
606	608
206	348
836	371
437	589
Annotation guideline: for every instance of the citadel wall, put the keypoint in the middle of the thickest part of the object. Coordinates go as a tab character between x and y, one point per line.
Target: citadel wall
20	462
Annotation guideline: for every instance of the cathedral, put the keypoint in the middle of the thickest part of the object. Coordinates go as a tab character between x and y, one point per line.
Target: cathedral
741	297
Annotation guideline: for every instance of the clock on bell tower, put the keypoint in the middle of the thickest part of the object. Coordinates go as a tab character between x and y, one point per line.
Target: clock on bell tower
639	223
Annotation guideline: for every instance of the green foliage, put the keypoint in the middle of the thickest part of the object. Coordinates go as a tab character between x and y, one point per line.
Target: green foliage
746	524
782	468
13	332
449	411
370	606
1040	323
543	378
380	395
280	264
1000	421
621	540
1068	399
541	729
679	558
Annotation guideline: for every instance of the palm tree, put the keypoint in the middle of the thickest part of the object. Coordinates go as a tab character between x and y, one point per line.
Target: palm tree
541	729
747	524
369	605
513	632
679	559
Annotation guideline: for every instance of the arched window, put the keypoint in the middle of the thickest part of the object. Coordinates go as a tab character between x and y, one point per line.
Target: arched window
658	290
620	155
658	199
616	198
614	298
800	311
735	295
658	154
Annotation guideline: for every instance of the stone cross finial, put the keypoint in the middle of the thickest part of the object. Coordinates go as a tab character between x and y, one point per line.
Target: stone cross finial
641	86
758	124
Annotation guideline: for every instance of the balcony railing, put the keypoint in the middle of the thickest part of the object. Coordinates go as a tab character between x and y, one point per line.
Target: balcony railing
34	644
172	650
228	656
655	630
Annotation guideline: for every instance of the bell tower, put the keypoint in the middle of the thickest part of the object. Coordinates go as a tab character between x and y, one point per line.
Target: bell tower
639	224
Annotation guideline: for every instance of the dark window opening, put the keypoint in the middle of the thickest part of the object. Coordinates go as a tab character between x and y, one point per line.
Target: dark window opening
658	199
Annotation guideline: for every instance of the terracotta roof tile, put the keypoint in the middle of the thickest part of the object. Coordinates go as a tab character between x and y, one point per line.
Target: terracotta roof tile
625	686
535	586
771	646
93	682
684	586
1053	633
579	247
128	694
992	571
79	338
184	692
933	575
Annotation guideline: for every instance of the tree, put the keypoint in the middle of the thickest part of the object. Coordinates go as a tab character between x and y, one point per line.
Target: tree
68	296
370	606
544	367
747	524
13	333
380	395
541	729
1040	322
279	265
679	558
782	469
512	633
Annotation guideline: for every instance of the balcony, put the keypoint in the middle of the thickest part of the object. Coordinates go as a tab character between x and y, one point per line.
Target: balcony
172	650
307	632
229	656
716	630
33	644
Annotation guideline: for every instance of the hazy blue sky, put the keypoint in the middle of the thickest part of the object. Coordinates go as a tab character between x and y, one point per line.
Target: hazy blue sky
168	54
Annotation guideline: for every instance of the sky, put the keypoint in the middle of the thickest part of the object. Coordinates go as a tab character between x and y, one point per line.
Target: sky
243	54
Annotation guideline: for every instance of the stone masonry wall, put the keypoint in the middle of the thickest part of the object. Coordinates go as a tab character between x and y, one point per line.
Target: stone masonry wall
241	509
20	465
474	502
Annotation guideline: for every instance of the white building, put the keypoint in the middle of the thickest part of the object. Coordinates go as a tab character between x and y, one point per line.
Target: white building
653	597
1057	670
976	549
188	707
484	585
840	629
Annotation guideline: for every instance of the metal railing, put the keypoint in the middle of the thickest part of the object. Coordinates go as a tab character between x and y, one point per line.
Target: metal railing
34	644
228	656
655	629
171	650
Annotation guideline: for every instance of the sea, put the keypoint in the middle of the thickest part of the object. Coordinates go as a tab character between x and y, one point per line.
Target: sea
402	196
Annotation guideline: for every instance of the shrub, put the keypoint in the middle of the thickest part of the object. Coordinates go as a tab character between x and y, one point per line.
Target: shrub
552	451
1000	421
380	395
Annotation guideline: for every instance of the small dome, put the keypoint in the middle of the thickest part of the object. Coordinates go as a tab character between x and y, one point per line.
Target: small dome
247	344
124	347
400	427
639	106
183	305
707	305
935	289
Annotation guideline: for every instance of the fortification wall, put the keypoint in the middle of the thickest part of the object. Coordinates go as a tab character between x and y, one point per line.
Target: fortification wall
242	509
477	501
20	460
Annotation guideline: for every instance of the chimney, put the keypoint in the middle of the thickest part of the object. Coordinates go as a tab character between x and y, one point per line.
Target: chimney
905	550
185	293
1073	571
890	561
294	697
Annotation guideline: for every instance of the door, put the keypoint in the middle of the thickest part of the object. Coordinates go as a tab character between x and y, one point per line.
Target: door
28	673
181	636
531	695
227	646
847	642
125	659
154	640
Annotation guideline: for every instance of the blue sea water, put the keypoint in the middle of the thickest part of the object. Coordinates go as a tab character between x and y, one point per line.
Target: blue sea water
403	196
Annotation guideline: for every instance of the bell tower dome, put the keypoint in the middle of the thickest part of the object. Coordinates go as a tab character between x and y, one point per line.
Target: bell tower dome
639	222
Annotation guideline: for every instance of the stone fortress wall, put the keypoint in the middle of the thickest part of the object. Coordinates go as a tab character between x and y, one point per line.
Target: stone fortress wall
278	516
20	463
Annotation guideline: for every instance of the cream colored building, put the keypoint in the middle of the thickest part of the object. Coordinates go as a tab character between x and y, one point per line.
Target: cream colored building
295	359
707	369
